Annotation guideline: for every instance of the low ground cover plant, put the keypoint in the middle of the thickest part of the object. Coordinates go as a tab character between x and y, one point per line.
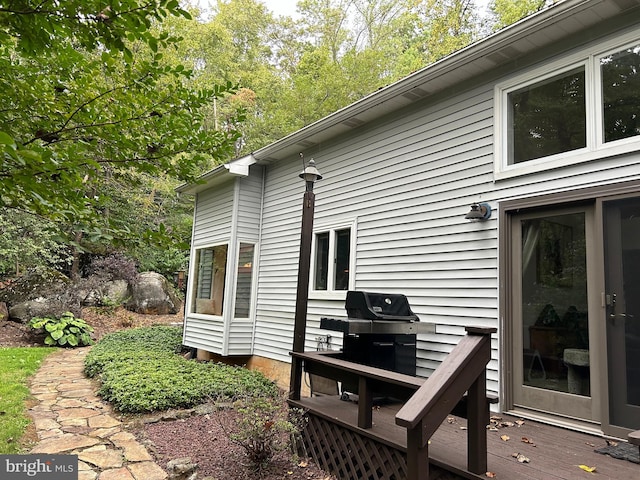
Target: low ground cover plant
140	372
16	365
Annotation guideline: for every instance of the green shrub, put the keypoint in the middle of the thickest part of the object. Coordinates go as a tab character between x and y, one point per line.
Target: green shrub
65	331
140	372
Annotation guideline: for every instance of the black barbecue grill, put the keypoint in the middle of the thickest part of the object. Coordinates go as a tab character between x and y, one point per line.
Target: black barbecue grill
380	331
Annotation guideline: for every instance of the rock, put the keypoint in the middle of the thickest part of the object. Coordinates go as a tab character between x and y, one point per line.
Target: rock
114	292
153	295
182	469
39	307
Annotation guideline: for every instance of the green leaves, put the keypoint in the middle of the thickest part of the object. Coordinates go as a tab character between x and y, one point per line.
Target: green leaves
140	372
66	331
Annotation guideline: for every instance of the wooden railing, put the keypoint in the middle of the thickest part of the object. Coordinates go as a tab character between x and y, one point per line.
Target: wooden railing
464	370
459	380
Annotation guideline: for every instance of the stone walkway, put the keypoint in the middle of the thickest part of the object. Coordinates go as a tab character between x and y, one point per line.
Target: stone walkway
71	419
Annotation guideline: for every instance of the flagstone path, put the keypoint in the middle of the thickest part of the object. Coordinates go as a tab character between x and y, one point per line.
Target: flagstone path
70	419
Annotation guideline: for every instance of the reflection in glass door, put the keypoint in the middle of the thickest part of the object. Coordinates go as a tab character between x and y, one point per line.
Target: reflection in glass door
551	312
622	266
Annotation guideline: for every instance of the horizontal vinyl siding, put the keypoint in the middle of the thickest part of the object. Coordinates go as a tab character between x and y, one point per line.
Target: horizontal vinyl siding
249	206
397	179
213	215
212	225
204	334
240	337
408	181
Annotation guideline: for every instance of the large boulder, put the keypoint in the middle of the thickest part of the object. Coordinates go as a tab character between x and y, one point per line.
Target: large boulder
113	292
153	295
39	293
38	307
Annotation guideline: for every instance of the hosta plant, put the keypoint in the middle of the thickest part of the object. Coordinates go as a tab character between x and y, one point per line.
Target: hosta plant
65	331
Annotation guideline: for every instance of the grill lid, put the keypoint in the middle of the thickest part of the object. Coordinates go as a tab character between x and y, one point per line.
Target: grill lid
378	306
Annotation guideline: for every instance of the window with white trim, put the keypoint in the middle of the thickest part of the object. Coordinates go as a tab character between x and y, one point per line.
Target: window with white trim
332	260
208	288
586	108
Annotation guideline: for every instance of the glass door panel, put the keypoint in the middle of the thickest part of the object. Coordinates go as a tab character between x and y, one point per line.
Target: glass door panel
551	311
622	264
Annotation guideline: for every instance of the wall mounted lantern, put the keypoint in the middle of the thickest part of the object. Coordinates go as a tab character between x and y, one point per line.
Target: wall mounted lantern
479	212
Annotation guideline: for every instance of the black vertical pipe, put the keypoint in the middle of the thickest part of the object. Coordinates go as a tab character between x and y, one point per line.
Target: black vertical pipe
302	293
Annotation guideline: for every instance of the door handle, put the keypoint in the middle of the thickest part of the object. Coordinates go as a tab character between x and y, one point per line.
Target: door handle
611	303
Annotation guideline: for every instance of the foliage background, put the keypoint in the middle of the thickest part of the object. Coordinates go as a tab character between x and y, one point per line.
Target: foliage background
106	109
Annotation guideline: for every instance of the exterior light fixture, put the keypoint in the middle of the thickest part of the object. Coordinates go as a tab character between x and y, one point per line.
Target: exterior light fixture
479	212
310	175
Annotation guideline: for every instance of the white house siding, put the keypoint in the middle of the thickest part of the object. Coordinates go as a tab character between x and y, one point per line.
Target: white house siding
239	340
212	225
409	179
249	207
213	215
408	182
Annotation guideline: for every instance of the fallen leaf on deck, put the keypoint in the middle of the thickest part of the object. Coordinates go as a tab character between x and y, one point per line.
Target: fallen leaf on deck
490	475
590	444
520	422
496	417
521	458
507	424
528	440
492	429
505	438
587	469
611	443
451	420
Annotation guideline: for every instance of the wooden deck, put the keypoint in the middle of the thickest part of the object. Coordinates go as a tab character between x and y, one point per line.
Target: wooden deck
554	453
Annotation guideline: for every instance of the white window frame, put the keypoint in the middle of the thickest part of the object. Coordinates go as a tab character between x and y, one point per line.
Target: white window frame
595	146
330	293
193	290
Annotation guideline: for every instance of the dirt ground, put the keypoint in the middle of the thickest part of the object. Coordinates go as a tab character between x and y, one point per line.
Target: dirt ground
199	436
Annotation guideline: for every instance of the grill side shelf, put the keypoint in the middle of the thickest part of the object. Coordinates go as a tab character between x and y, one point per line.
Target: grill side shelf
362	326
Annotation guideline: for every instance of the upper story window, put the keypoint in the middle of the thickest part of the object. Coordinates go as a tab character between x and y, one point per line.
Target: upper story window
584	107
547	117
332	260
620	76
208	289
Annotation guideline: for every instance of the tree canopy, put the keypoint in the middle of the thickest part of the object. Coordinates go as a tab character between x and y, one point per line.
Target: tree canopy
107	106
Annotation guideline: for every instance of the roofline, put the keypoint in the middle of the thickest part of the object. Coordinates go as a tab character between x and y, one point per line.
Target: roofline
476	50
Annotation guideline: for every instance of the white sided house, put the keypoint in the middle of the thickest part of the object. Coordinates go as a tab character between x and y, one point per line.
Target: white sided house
540	122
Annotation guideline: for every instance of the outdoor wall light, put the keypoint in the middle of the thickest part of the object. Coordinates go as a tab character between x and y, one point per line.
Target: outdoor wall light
310	174
479	212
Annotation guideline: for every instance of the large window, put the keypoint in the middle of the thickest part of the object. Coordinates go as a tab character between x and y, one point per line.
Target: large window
332	260
620	73
244	281
582	108
208	294
548	117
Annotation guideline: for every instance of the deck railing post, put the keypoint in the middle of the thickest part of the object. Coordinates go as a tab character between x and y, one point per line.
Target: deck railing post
417	454
477	420
365	404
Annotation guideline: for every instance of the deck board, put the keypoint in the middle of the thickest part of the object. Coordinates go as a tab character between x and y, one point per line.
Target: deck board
555	454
